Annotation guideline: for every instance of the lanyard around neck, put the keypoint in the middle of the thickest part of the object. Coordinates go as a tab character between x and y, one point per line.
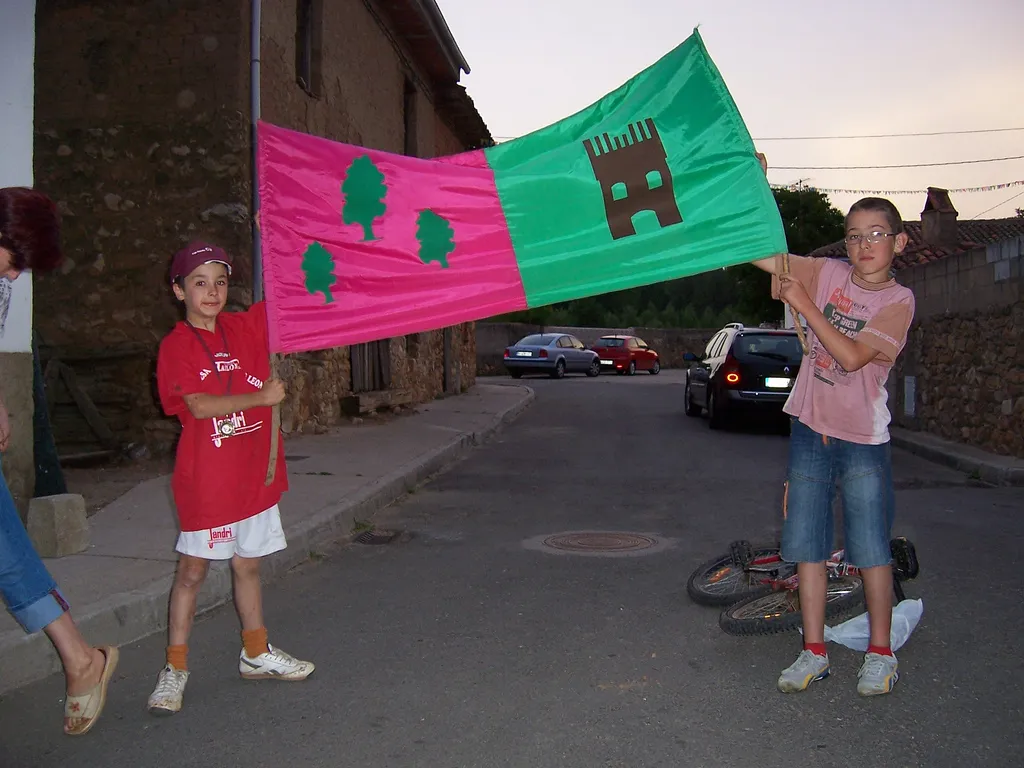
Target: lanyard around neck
209	353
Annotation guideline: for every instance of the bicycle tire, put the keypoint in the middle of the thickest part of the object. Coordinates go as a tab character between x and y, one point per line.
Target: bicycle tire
702	593
780	611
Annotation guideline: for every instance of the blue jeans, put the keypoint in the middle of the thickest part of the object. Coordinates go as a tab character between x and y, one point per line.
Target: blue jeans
27	587
864	475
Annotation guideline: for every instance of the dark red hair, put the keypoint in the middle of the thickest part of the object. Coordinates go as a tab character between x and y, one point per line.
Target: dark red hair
30	229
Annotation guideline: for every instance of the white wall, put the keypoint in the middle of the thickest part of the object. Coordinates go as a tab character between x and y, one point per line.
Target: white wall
17	60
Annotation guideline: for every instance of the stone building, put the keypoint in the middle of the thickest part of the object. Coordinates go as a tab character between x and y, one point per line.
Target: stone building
143	133
961	376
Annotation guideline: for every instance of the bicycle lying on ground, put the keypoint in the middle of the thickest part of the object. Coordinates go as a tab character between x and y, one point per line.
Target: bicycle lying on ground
758	589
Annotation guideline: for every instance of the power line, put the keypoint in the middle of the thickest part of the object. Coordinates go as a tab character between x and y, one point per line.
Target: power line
858	136
996	206
889	135
887	192
884	167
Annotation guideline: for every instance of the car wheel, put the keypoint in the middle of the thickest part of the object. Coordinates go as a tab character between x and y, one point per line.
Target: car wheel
656	368
515	374
715	418
632	367
594	369
689	407
559	371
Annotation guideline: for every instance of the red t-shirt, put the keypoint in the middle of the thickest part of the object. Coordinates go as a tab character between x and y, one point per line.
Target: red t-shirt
221	467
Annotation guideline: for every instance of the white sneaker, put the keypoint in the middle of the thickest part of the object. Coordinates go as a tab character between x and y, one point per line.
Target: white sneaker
808	668
274	663
878	674
169	692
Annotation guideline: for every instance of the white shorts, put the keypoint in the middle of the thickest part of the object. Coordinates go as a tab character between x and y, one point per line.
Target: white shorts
256	536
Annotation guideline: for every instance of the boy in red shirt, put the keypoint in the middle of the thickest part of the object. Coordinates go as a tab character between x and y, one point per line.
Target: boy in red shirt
213	373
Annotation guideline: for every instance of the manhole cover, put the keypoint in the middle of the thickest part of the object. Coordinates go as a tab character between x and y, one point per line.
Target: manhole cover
598	543
593	541
376	537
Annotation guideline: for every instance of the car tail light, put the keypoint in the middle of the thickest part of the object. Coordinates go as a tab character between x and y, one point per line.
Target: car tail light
543	353
732	373
507	352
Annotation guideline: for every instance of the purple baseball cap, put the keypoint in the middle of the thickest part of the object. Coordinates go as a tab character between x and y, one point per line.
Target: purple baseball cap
195	254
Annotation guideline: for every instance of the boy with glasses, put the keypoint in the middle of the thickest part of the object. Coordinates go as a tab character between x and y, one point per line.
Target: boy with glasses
858	317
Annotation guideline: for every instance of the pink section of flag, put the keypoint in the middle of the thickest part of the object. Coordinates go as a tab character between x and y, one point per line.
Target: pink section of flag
381	288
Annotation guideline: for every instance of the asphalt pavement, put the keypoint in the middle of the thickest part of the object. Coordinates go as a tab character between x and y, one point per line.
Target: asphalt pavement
469	643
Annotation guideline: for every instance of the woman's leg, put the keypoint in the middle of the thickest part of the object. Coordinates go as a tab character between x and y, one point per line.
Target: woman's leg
32	597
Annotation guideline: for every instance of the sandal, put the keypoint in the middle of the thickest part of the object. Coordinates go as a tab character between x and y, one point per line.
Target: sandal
82	712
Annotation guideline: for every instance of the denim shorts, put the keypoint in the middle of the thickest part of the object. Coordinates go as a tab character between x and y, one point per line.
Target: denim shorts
30	593
864	475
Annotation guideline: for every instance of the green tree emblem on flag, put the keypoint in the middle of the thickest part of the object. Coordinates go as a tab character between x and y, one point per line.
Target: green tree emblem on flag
318	264
435	236
364	192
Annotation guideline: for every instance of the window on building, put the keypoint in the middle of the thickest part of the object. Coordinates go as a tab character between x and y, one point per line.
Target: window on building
409	117
412	345
308	45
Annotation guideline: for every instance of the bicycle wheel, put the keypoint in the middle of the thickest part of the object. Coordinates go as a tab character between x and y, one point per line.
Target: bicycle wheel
780	611
720	582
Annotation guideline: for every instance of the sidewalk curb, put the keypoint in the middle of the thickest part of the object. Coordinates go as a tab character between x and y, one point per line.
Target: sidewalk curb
128	617
990	468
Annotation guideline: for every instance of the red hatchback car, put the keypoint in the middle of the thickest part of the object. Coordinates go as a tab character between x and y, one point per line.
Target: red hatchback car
626	355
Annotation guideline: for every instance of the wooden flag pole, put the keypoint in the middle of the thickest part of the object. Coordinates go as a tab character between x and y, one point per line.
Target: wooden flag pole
275	427
796	317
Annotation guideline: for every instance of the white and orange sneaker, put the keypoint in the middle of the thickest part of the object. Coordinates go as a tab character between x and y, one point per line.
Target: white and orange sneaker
275	664
169	693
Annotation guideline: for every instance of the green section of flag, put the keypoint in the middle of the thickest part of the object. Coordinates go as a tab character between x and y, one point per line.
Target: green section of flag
714	207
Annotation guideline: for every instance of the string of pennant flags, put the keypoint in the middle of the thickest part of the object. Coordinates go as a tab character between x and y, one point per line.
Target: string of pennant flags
829	190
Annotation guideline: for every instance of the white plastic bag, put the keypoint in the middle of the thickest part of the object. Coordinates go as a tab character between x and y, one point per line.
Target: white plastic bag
855	634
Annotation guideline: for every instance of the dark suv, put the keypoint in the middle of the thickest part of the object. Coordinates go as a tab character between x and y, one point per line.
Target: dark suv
742	368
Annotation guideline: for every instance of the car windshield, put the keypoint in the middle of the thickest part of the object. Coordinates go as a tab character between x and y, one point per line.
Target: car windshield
537	340
607	342
784	348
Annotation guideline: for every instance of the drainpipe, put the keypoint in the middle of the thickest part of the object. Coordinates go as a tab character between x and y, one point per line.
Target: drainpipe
254	109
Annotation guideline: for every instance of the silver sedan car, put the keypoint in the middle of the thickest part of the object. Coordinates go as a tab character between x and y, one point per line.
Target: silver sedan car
555	354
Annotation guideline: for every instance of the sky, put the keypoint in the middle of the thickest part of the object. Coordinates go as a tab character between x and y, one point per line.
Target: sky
796	68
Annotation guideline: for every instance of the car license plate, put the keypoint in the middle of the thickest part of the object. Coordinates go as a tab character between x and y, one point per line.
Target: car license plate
524	354
607	362
776	382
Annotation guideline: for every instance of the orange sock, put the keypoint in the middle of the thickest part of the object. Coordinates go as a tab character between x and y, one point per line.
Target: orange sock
255	641
177	657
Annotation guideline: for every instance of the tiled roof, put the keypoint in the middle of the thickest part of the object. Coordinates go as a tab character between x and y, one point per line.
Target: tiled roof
974	233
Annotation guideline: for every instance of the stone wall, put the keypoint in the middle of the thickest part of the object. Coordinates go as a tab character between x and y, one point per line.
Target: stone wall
961	376
16	390
670	343
143	138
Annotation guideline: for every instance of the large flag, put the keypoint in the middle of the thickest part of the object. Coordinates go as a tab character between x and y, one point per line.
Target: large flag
658	180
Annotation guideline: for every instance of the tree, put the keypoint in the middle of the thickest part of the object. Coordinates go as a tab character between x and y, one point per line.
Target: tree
364	192
1020	211
318	264
436	238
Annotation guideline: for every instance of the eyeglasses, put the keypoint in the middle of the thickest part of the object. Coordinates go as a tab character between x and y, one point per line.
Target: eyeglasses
871	238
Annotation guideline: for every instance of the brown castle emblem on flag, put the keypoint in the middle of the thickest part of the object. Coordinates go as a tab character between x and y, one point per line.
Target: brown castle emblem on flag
634	176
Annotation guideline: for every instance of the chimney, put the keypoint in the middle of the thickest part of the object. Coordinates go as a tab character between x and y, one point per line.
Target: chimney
938	220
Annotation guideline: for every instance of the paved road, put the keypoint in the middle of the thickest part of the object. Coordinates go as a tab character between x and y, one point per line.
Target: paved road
464	647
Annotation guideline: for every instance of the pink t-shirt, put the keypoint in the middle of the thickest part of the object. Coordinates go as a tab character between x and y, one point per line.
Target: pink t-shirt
848	405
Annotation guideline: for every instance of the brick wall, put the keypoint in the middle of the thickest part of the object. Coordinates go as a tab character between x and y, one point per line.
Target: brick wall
961	375
142	119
